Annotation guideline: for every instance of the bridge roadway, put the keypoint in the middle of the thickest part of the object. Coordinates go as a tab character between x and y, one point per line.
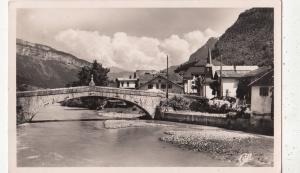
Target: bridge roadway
30	102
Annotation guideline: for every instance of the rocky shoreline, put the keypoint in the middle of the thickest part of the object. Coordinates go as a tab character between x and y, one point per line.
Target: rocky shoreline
116	124
242	148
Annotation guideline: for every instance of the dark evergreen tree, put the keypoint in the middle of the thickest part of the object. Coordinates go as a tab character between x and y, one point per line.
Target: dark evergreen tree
99	74
215	87
243	90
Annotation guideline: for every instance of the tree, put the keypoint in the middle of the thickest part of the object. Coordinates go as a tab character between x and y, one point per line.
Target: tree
215	87
199	82
243	89
99	74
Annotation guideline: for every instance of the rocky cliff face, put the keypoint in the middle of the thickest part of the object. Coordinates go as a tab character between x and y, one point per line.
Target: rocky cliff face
249	41
46	53
42	66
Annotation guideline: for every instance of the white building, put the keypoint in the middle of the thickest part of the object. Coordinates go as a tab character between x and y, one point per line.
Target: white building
230	77
127	83
209	73
262	94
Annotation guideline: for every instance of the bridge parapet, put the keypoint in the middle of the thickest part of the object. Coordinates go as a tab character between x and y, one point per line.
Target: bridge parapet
88	89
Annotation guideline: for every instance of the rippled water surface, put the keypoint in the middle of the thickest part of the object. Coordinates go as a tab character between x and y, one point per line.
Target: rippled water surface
88	143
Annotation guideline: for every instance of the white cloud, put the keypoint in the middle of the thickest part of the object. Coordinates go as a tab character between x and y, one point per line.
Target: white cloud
131	52
210	32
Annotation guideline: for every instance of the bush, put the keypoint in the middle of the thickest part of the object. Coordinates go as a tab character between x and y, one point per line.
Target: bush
210	106
199	105
219	106
243	111
177	103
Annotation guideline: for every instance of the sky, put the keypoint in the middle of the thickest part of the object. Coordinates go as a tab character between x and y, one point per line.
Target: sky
127	38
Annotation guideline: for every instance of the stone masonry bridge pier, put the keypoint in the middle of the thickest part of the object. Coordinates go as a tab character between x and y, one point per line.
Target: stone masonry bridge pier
30	102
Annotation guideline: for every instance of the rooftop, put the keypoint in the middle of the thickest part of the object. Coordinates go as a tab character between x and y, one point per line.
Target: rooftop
172	77
160	76
257	72
232	73
266	79
193	71
127	79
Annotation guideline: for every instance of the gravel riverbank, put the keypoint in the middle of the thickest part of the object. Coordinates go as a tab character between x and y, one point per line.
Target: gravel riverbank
242	148
120	115
115	124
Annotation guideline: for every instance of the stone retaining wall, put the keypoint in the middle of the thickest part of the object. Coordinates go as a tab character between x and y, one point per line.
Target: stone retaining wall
256	124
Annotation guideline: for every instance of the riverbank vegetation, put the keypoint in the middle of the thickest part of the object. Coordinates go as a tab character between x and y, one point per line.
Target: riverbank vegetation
200	104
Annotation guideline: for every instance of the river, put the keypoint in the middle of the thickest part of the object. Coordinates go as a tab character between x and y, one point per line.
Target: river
89	143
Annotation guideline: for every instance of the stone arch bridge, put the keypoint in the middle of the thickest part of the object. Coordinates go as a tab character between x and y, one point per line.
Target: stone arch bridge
30	102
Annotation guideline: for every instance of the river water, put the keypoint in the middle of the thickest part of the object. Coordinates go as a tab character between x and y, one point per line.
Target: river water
89	143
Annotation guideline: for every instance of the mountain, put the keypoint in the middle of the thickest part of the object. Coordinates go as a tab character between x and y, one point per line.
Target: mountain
202	52
171	69
249	41
40	66
44	67
116	72
199	56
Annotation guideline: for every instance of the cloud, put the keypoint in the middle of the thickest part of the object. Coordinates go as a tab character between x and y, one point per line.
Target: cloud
131	52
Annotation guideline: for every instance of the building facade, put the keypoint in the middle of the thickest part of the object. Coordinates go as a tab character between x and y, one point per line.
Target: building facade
160	83
127	83
230	77
262	96
212	71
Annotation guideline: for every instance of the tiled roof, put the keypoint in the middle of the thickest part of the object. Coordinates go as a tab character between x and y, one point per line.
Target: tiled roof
146	77
232	73
172	77
193	71
159	76
265	79
258	72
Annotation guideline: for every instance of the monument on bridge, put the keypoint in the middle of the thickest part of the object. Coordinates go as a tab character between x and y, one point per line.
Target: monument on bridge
92	83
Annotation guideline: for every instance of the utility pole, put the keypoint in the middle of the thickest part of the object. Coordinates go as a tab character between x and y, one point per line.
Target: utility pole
167	93
221	85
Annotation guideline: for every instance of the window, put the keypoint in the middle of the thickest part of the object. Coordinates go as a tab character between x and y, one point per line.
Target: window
150	86
159	80
157	86
128	84
264	91
163	86
170	86
122	83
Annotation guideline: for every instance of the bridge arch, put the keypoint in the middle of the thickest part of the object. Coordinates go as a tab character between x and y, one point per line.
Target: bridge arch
30	102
